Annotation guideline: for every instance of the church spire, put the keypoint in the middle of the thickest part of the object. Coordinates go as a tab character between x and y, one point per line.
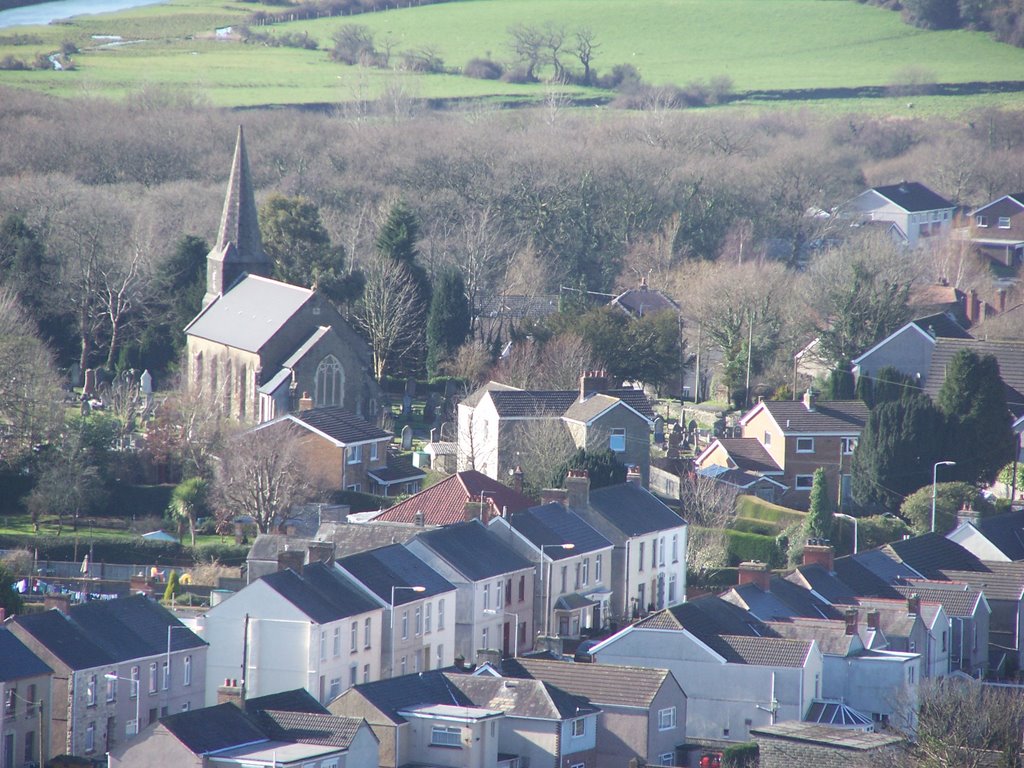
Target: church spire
239	248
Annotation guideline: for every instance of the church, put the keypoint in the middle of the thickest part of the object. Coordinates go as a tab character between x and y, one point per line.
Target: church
259	345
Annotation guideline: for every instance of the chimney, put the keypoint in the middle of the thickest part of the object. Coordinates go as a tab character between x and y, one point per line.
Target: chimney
755	572
321	551
291	558
914	605
305	402
552	495
1001	300
517	479
592	382
433	434
137	585
460	662
488	656
967	515
810	399
230	693
874	620
59	601
973	306
3	615
633	475
819	552
417	519
478	510
577	489
851	621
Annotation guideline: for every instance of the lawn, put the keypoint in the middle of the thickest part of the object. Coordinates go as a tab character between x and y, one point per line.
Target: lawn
762	45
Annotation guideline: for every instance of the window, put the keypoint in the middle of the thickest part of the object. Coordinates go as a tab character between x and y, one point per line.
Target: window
330	380
767	438
597	569
579	726
483	638
323	645
112	687
90	737
441	736
654	554
982	221
617	440
152	677
565	578
366	673
666	719
329	764
373	451
90	692
10	701
426	618
367	630
675	547
522	588
355	487
1004	222
672	588
419	622
335	689
32	703
498	593
487	596
353	675
30	745
805	445
405	664
440	614
508	592
661	551
640	560
354	453
944	641
849	445
186	706
910	675
804	482
187	667
166	682
667	758
585	571
337	641
440	655
133	688
405	624
354	639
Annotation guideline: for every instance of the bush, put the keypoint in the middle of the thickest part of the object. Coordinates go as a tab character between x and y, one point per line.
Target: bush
483	69
740	756
875	531
751	546
361	502
949	498
11	63
622	77
759	509
226	554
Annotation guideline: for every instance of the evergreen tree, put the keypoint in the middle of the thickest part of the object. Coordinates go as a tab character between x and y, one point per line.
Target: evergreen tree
10	599
886	385
448	322
397	241
173	587
819	515
897	448
973	397
603	468
840	384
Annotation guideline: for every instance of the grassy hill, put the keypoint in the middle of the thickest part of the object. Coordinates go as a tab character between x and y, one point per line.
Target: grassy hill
814	50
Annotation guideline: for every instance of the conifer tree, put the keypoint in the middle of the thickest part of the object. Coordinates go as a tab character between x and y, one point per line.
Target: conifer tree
819	515
448	322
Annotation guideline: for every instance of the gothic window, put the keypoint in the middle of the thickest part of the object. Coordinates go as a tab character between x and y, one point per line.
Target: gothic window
330	380
243	391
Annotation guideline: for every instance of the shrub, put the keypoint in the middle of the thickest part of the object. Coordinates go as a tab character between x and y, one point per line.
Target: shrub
12	63
740	756
751	546
622	77
517	75
483	69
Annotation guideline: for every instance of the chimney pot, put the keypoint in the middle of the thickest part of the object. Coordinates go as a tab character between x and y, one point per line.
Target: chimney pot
851	621
914	605
757	573
291	558
517	479
874	619
810	399
819	552
577	489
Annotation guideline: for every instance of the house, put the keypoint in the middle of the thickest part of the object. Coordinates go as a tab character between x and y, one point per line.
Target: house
997	229
968	612
225	736
462	721
444	503
1009	355
494	586
574	564
25	693
330	626
344	451
643	710
996	538
648	569
500	316
910	625
792	743
419	631
917	213
641	301
909	349
258	344
763	486
494	420
797	437
737	675
114	662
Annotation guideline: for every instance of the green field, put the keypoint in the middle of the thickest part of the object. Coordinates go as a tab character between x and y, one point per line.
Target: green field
788	45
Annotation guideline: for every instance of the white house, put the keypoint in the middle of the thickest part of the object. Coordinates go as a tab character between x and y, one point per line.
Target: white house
916	212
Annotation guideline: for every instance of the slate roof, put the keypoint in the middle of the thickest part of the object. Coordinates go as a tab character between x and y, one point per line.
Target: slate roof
322	593
767	651
517	306
520	403
238	238
310	728
602	684
839	416
644	301
997	581
930	552
397	693
957	600
826	584
586	410
341	425
250	314
395	566
633	510
711	620
912	196
894	618
213	728
17	661
473	551
398	469
522	697
350	538
105	632
267	546
830	635
736	477
941	325
554	524
785	600
1009	355
1005	532
749	454
444	503
841	738
305	348
856	574
297	700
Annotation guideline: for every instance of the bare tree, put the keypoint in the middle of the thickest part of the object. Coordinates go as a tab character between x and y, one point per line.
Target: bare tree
262	475
527	44
555	364
188	430
586	50
390	313
709	507
541	446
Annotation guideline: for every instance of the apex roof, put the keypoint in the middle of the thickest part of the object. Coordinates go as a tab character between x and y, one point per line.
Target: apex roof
957	600
344	427
296	700
748	454
633	510
511	402
322	729
913	196
553	524
602	684
522	697
1009	355
322	592
444	503
395	566
829	416
1005	532
930	553
473	550
17	661
941	325
644	301
213	728
395	694
997	581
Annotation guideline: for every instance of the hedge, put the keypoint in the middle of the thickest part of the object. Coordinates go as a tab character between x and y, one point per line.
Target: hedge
741	756
362	502
124	551
138	500
751	546
749	525
759	509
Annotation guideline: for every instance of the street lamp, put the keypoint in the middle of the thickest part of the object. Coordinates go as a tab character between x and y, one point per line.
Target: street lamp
853	520
935	471
515	635
417	588
547	584
134	681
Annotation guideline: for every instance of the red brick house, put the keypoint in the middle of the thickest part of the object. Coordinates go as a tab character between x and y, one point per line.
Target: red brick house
997	229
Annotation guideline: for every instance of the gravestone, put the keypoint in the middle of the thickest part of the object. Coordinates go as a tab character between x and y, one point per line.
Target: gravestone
407	406
146	386
406	438
675	439
659	430
89	387
410	387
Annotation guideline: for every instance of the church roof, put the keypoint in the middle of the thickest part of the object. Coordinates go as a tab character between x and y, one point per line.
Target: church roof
239	234
250	314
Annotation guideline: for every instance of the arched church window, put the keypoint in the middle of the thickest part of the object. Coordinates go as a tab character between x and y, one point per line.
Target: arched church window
330	382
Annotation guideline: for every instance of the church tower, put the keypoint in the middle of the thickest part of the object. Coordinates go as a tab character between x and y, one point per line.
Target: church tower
239	249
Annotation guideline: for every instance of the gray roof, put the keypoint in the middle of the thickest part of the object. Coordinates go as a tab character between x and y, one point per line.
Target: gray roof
213	728
830	635
249	315
395	566
268	546
554	524
522	697
325	730
322	593
997	581
826	584
1005	532
768	651
588	409
350	538
17	661
633	510
517	306
399	469
395	694
840	738
238	238
341	425
913	196
602	684
839	416
1009	355
749	454
305	348
930	552
941	325
644	301
520	403
957	600
296	700
473	550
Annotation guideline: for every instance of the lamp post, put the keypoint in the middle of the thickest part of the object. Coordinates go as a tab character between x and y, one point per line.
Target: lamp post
391	628
547	584
935	472
853	520
138	696
515	634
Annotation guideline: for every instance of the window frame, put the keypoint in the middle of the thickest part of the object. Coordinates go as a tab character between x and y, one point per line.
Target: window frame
620	433
354	454
446	736
849	445
90	691
1004	222
578	729
803	482
667	719
186	673
808	443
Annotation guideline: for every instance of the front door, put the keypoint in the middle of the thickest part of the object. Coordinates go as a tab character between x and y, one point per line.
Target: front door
505	642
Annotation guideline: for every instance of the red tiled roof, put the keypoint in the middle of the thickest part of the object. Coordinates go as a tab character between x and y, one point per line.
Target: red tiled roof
445	502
